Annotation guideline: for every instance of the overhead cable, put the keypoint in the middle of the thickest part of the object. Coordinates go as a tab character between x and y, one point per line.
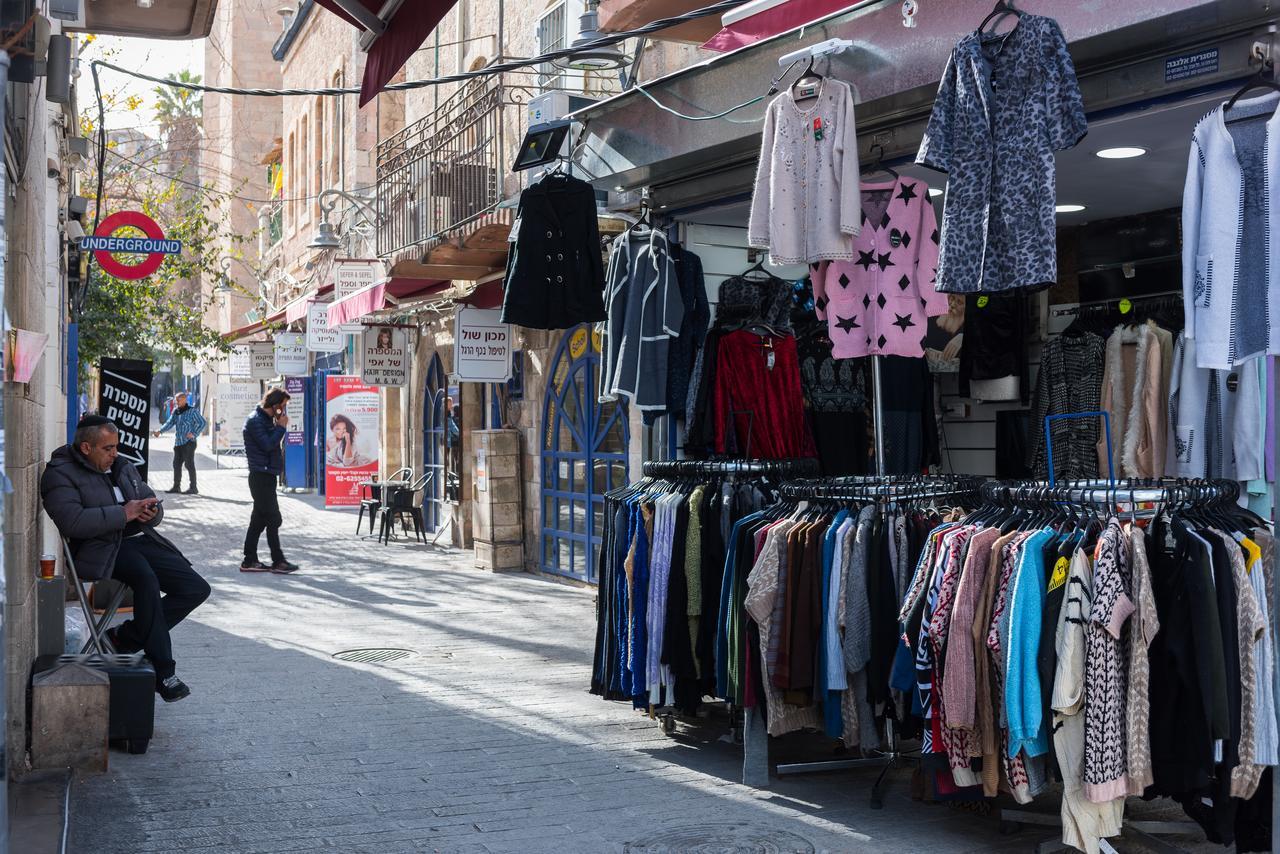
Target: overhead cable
488	71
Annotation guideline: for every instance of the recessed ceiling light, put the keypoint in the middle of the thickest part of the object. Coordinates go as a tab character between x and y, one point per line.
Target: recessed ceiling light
1121	153
1069	208
934	191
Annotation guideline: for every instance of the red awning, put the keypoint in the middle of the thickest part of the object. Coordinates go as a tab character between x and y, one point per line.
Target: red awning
486	295
298	308
381	296
403	33
786	16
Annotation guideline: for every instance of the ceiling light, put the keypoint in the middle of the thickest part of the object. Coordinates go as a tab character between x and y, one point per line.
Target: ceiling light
326	237
602	58
146	4
934	192
1069	208
1122	152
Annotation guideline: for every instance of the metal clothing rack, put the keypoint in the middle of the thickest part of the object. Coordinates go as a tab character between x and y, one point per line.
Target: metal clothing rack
867	489
783	469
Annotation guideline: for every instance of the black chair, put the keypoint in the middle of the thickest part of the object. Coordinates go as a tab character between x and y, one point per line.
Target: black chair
402	503
371	500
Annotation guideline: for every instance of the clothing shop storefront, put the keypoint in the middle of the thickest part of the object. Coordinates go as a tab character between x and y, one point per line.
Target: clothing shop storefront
1024	241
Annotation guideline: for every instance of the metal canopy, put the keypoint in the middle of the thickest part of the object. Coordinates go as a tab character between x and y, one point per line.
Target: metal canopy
1120	56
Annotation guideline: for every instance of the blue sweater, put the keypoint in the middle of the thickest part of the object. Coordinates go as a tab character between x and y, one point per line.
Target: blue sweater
1022	680
182	422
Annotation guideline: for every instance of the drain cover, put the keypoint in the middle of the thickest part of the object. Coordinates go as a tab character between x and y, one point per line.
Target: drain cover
375	655
721	839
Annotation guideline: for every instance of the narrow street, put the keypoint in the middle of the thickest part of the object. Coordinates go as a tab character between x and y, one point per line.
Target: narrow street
484	740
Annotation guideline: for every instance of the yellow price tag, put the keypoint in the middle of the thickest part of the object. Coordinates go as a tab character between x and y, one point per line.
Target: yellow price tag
983	300
1125	306
1059	576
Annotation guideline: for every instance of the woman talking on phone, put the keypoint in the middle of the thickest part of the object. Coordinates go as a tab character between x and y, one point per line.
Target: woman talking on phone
263	432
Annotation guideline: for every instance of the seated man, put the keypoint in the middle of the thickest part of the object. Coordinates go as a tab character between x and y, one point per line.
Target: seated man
109	514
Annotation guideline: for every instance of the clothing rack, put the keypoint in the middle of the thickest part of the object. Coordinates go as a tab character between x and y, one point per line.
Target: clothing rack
865	489
782	469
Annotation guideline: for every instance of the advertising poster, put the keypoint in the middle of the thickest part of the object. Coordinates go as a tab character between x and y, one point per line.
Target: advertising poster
290	354
386	356
483	349
320	337
235	401
124	396
351	445
296	409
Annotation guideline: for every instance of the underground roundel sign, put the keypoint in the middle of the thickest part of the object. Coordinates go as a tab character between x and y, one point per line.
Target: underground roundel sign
154	246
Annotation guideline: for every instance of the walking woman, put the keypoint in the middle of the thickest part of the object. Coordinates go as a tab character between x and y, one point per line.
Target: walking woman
263	433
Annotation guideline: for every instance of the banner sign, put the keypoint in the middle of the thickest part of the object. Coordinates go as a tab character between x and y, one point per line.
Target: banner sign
296	408
235	400
352	445
320	337
290	354
351	276
154	246
239	363
124	396
386	356
482	352
262	360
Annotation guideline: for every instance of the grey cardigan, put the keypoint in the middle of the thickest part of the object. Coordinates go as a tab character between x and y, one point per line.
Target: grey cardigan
645	311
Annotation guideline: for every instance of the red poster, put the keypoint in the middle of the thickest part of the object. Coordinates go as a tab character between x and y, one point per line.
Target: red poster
352	445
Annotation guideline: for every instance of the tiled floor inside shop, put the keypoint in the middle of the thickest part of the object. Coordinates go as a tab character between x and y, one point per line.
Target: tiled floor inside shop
484	739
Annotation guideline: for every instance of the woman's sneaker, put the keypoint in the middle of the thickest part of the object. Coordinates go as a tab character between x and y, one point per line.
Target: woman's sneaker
172	689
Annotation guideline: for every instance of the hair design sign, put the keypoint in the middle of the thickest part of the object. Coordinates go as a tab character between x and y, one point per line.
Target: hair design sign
352	446
386	356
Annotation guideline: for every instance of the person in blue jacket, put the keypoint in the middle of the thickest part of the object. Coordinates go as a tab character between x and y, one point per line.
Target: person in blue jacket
188	426
263	432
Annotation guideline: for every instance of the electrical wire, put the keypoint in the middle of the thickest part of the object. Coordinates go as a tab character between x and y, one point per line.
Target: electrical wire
488	71
723	114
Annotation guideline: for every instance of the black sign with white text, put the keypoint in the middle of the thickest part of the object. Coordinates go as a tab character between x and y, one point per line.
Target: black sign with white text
125	398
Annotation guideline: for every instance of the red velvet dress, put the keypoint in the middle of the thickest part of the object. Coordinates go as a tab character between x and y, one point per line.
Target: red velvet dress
759	407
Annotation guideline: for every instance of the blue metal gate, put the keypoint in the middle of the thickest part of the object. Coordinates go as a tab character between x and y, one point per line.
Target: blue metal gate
433	428
584	455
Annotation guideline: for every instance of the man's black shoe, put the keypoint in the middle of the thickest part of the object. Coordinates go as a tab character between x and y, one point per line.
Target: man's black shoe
283	567
173	491
122	647
192	491
172	689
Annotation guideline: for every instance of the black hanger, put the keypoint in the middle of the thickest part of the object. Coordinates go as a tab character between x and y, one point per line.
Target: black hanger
1262	80
810	77
1003	8
877	163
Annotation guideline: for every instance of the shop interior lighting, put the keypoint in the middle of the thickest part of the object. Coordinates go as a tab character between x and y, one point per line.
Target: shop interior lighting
602	58
1123	152
146	4
1069	208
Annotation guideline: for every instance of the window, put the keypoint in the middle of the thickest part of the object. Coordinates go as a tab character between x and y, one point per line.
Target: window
303	184
552	35
287	190
320	152
463	33
335	135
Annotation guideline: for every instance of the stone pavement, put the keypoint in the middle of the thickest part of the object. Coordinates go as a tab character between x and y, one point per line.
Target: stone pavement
485	740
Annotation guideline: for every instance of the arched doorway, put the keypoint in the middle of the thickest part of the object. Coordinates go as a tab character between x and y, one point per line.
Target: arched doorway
584	455
433	430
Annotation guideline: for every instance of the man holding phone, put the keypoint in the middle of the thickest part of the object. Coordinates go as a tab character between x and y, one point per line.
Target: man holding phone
263	432
109	515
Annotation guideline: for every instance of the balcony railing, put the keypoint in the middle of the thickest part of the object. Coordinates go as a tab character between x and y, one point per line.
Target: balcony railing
445	171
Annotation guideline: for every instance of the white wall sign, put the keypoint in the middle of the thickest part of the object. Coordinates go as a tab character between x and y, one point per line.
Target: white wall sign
291	354
235	400
386	356
321	338
482	353
349	277
262	360
239	363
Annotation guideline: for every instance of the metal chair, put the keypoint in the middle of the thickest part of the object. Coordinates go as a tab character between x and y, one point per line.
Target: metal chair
98	642
401	503
373	501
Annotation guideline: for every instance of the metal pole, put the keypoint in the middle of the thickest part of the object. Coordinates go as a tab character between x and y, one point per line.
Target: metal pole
877	407
1275	612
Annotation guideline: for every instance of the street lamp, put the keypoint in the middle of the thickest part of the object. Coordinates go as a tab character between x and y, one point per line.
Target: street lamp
602	58
327	235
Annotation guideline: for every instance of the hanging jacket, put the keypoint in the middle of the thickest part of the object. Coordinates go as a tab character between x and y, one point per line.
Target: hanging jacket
555	272
1131	392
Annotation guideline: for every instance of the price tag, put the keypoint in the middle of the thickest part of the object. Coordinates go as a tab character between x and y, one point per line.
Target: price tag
983	300
1059	576
817	128
1125	306
770	359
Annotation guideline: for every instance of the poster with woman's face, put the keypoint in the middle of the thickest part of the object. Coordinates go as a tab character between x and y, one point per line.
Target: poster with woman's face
352	444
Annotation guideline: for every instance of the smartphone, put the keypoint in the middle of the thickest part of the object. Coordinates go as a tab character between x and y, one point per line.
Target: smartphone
159	501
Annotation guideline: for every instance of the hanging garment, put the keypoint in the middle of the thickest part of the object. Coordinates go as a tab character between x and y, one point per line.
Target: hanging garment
693	328
1107	669
880	303
645	310
753	299
835	394
801	208
1206	438
758	406
993	360
996	122
1070	380
555	272
1131	383
1142	627
1230	276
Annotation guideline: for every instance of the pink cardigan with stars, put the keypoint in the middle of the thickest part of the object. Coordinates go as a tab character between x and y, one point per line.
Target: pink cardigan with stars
880	303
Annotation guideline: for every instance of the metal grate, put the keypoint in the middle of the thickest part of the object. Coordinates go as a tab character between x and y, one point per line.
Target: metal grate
374	655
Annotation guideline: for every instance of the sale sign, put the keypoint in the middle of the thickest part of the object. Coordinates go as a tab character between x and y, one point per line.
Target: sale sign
352	444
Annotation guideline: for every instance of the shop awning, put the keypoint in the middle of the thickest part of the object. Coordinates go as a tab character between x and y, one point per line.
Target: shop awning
381	296
298	308
744	26
393	30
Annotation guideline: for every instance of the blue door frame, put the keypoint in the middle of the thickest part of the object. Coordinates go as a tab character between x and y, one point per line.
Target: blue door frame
433	427
325	365
584	455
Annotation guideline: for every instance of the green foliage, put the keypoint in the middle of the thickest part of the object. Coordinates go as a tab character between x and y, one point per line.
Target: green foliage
176	106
